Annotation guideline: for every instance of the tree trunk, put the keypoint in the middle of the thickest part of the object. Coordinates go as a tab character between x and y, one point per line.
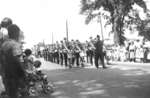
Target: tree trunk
118	27
114	28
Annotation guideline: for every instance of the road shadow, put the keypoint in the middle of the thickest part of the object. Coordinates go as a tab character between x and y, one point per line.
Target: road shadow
100	83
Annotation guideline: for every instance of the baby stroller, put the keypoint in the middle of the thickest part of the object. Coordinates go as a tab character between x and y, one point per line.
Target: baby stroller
36	83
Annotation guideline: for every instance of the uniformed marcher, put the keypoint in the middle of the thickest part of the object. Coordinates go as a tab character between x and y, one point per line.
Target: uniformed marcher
91	50
65	50
77	53
99	54
61	53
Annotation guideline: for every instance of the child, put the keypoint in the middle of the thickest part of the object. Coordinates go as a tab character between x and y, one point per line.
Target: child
28	61
36	81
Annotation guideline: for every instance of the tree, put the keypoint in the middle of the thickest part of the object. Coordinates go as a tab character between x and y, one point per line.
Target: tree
118	9
143	27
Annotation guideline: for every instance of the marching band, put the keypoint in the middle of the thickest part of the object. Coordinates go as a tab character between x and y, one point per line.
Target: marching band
71	53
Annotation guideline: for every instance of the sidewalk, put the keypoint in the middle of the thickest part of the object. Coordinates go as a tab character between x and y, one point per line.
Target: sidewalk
129	63
46	65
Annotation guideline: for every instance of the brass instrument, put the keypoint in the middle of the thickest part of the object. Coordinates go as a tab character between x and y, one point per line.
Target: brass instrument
77	48
65	48
92	47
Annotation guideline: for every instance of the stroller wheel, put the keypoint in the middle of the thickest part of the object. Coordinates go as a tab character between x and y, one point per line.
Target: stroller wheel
3	94
48	89
33	92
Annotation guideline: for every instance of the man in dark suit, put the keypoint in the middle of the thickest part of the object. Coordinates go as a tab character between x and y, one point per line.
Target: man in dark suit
99	54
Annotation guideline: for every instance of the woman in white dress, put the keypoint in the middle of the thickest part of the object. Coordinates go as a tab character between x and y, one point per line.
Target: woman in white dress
132	52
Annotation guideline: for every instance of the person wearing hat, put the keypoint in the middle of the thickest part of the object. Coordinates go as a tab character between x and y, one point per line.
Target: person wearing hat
3	29
99	52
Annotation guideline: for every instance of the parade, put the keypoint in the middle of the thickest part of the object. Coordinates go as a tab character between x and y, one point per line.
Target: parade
75	53
75	49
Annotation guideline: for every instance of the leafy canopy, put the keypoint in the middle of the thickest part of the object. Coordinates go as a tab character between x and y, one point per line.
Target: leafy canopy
118	9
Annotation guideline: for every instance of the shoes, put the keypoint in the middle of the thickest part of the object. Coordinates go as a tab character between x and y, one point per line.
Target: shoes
108	63
105	67
97	67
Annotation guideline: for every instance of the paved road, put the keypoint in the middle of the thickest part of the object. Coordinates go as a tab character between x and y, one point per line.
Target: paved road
118	81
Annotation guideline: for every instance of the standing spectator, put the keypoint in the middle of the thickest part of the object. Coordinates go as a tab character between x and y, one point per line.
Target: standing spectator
128	52
39	53
132	52
11	54
4	36
87	51
122	53
141	50
28	60
146	55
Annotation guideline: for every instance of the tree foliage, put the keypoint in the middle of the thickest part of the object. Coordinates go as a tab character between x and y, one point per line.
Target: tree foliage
144	28
118	9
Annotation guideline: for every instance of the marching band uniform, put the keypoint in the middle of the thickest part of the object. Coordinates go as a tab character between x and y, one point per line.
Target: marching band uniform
57	52
65	57
77	55
65	45
61	53
99	52
91	52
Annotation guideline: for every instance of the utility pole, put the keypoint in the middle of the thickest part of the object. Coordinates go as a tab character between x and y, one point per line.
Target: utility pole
67	31
52	40
101	26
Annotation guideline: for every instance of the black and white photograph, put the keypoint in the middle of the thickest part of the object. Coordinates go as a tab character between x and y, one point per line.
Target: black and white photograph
74	48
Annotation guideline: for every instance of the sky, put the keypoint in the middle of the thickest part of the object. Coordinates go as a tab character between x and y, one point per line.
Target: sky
38	19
